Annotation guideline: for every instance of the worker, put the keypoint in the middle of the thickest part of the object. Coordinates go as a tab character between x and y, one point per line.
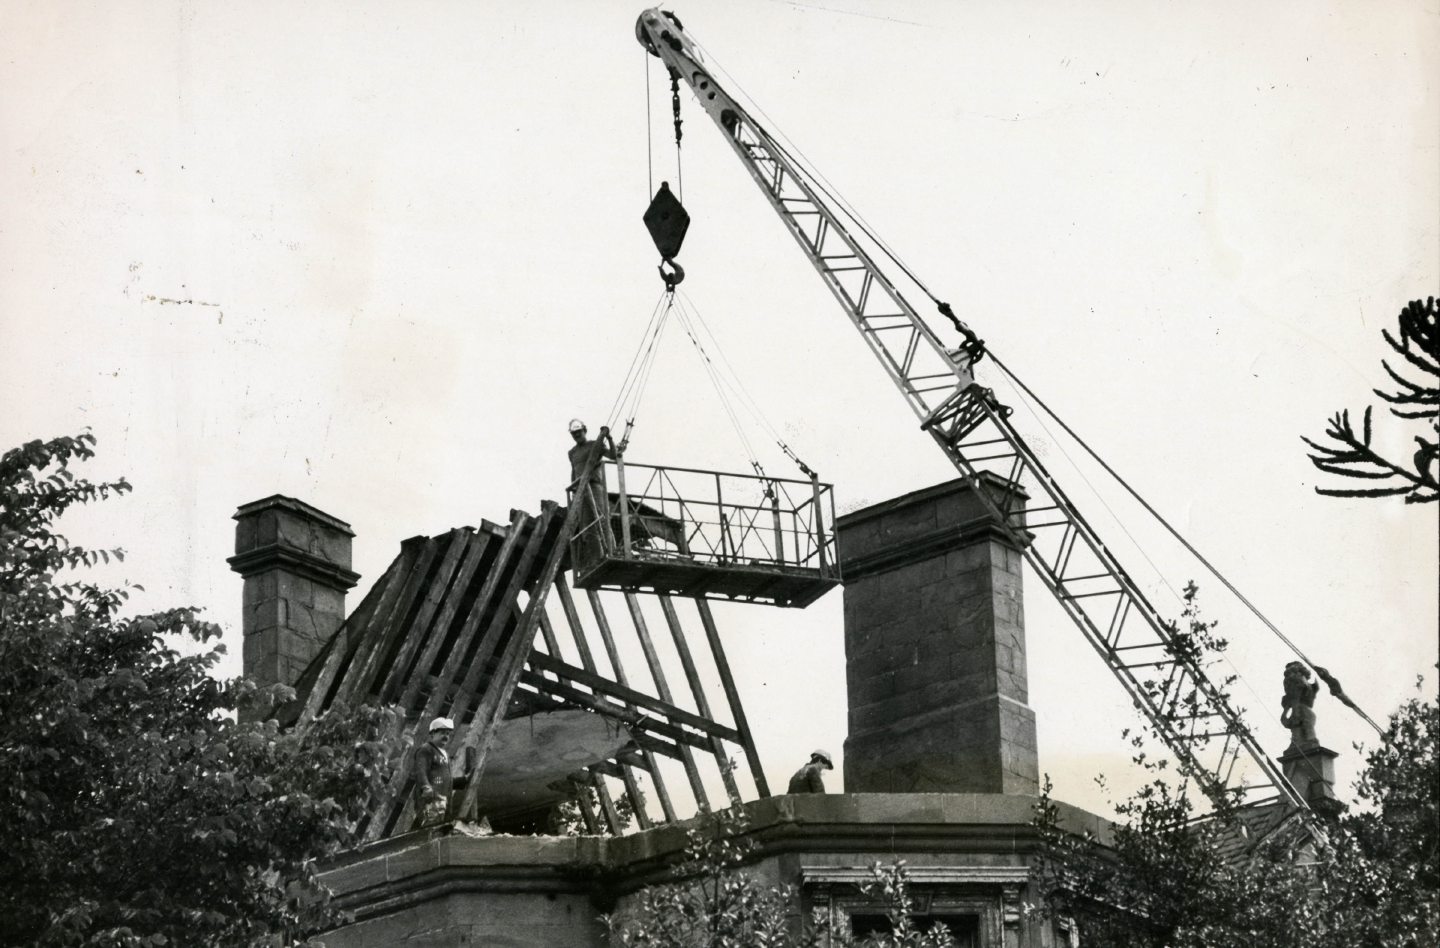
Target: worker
587	480
809	779
434	780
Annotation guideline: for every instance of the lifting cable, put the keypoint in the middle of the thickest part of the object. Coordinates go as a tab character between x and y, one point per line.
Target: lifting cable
747	401
632	389
733	395
649	145
712	370
1330	680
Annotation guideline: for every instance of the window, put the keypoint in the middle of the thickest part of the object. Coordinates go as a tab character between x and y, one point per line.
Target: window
965	929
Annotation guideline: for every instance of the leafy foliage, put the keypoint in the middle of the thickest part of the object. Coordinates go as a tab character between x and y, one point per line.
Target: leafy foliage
713	903
134	808
1172	878
1352	454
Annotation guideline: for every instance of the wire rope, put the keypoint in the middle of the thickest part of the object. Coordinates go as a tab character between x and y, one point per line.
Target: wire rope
649	123
747	400
632	387
1120	525
713	373
1320	671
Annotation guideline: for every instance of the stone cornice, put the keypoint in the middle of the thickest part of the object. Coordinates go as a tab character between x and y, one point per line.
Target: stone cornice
307	565
925	546
411	869
297	506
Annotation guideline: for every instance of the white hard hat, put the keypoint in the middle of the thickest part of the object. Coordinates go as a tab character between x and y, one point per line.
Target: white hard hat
442	724
576	424
823	755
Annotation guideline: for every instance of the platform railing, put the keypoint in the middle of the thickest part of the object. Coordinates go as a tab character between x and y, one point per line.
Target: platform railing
653	513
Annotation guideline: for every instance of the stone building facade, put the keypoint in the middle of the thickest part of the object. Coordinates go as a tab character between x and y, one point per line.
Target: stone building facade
940	763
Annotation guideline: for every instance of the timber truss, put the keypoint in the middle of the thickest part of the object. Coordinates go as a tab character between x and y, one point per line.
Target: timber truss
482	626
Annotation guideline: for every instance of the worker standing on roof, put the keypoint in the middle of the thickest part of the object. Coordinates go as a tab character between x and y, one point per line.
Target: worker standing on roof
587	481
434	781
809	779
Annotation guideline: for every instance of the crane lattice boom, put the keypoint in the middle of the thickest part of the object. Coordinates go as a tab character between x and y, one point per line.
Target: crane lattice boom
1155	662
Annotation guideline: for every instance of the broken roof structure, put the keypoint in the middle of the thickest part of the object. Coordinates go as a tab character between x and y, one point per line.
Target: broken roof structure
481	625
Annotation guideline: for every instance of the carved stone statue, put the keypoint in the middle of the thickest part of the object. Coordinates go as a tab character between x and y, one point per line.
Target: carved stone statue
1298	706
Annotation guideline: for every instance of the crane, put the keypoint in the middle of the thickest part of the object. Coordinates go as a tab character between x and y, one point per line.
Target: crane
1155	662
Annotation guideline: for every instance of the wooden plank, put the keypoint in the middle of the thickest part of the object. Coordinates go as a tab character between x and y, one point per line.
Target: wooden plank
364	668
732	695
320	674
587	660
602	622
547	630
419	629
607	805
543	662
489	643
512	660
649	742
447	586
600	705
396	791
356	635
572	618
658	674
587	812
480	542
633	792
697	689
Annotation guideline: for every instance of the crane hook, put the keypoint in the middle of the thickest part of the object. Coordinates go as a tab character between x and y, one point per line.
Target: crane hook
672	278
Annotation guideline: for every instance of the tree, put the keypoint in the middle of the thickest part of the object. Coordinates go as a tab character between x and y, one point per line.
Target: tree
1381	883
714	903
1170	878
134	808
1353	454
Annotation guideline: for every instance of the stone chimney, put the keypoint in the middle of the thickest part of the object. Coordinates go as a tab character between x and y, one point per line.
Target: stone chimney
296	563
935	647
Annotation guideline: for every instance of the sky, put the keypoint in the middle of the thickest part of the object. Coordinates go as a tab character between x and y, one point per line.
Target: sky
376	255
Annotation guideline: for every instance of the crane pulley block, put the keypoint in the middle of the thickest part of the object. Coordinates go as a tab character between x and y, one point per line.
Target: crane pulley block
667	221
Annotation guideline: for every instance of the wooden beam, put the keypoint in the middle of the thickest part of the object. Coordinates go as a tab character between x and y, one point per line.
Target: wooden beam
602	622
732	695
542	662
393	794
697	689
356	632
418	630
600	705
658	674
365	667
550	531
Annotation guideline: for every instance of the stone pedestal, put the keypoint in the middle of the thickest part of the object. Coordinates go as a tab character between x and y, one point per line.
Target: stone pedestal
296	563
1311	771
935	647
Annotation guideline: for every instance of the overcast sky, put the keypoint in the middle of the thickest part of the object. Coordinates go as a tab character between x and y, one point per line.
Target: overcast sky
376	255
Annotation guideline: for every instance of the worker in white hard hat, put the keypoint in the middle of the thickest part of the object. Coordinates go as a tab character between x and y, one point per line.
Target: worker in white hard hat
587	477
809	779
434	780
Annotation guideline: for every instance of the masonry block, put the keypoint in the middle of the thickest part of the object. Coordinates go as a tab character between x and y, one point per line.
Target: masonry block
935	646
